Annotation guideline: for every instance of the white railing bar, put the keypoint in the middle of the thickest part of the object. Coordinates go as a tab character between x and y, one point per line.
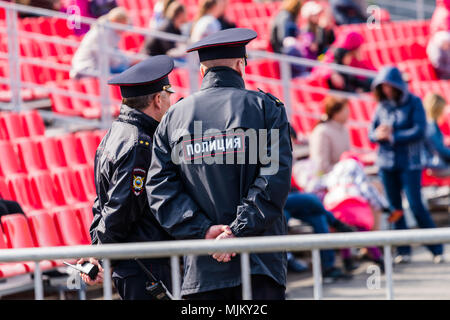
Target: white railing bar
317	274
250	244
50	115
405	5
46	38
107	283
81	96
176	279
388	272
245	276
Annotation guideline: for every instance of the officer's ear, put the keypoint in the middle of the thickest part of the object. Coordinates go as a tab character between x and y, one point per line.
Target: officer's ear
203	69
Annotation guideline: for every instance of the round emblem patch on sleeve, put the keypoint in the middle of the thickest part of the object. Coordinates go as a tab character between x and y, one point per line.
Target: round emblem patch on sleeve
138	180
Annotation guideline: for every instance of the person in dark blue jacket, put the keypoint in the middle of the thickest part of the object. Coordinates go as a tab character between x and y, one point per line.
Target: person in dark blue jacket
347	12
399	127
438	159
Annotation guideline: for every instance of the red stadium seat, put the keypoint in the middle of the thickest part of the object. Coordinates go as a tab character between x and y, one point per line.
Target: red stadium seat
45	190
30	155
44	230
32	123
68	186
12	125
10	163
9	269
85	178
88	143
21	191
73	153
86	216
4	191
52	152
70	228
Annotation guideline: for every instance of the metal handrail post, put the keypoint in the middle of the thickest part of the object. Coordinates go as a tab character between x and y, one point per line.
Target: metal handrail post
13	58
245	277
107	284
420	10
317	274
103	58
176	284
38	286
286	75
388	272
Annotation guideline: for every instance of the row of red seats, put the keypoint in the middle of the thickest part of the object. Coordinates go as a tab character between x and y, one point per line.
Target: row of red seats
23	124
43	229
28	155
84	107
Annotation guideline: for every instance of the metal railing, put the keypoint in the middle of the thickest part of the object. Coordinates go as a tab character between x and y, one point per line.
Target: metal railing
16	60
244	246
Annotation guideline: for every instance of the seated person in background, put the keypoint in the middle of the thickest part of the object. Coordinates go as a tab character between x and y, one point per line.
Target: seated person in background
318	26
224	22
283	22
175	18
438	51
345	51
85	62
207	20
438	156
44	4
159	13
441	17
9	207
347	12
296	45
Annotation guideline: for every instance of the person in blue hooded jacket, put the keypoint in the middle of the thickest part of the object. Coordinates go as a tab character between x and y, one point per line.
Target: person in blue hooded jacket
398	126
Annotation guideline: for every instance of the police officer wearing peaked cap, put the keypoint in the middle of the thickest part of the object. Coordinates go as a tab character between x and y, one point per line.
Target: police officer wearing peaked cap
121	209
197	197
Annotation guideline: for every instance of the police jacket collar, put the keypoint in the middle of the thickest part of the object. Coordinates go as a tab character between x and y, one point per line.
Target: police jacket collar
138	118
222	77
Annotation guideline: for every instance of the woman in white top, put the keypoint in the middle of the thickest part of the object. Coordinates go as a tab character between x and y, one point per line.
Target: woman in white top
207	21
85	62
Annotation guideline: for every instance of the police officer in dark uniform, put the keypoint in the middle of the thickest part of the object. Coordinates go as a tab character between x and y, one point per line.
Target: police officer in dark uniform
121	209
205	182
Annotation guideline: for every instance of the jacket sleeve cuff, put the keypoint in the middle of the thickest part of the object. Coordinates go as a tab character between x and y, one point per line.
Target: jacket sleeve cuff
204	228
237	228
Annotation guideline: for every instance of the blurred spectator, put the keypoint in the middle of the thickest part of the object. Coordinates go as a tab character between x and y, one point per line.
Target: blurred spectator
9	207
44	4
440	21
438	51
98	8
224	22
347	12
284	22
345	51
322	36
207	21
438	154
330	138
85	62
159	13
294	46
175	18
398	126
325	33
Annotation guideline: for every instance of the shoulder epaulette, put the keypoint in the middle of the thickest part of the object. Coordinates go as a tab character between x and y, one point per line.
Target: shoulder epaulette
277	101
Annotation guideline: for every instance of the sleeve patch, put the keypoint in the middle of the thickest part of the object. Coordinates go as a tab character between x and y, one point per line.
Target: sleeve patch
138	181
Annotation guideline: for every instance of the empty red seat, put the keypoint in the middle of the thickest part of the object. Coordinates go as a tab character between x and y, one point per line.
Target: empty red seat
9	163
4	191
88	143
73	153
32	123
70	228
85	178
12	125
45	191
20	191
68	186
52	152
30	155
86	216
9	269
44	230
19	235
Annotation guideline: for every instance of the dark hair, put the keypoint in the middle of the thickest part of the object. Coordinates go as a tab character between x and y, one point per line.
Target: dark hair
140	102
174	10
380	96
339	55
166	5
332	106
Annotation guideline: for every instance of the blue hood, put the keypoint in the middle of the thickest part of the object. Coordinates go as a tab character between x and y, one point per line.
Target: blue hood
392	76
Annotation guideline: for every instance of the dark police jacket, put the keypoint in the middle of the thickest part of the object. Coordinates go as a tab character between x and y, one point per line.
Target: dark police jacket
188	197
121	209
